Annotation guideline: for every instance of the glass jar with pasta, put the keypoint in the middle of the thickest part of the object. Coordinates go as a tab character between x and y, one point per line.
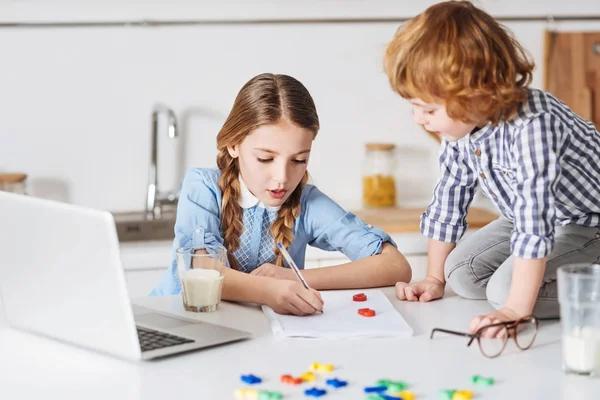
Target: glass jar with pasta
379	185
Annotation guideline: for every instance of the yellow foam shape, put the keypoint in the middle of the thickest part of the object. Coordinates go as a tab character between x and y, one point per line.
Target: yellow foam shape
462	395
407	395
326	367
308	376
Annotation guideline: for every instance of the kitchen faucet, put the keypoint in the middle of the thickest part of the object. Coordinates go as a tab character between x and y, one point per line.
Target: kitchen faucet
155	200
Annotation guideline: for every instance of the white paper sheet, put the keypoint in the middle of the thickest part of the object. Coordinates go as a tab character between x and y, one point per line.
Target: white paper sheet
340	318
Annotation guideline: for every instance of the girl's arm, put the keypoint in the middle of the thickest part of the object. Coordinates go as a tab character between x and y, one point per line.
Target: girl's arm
198	224
285	297
327	226
384	269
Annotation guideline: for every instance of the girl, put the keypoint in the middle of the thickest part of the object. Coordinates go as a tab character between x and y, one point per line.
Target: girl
467	79
259	196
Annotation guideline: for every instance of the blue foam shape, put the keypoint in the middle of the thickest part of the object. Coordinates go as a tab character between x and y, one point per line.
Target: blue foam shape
375	389
315	392
251	379
336	383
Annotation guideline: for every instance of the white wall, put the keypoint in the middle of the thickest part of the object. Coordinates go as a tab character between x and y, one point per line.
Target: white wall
211	10
75	102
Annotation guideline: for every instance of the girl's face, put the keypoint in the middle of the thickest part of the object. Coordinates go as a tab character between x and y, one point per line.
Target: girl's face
273	159
434	118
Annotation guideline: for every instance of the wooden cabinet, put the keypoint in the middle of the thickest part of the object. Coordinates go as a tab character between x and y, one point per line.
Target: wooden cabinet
572	71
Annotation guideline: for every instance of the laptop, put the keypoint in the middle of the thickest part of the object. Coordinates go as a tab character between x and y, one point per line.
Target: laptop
61	277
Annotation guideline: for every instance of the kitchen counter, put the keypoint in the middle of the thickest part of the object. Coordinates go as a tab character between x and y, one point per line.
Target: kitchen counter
401	223
157	254
406	220
145	262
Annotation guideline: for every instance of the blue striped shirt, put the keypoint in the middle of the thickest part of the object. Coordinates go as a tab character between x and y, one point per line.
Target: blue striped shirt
540	169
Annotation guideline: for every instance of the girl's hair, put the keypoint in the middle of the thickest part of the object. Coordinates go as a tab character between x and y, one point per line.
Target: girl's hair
265	99
456	54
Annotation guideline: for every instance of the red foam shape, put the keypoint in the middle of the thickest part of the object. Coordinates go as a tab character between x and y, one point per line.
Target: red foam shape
359	297
366	312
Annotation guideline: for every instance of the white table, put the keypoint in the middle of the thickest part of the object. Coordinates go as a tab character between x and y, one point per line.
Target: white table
36	368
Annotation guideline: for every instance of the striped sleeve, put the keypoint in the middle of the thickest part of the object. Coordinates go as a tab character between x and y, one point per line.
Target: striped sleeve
445	217
537	169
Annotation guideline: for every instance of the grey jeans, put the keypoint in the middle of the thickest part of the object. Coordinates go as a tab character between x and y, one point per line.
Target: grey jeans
481	266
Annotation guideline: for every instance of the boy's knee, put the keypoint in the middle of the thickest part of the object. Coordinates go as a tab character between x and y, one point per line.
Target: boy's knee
459	275
497	292
498	287
455	261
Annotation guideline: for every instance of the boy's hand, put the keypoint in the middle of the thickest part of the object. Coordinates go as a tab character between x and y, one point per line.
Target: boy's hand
493	317
527	278
428	289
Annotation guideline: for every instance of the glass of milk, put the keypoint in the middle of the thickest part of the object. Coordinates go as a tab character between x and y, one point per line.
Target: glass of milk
579	297
201	272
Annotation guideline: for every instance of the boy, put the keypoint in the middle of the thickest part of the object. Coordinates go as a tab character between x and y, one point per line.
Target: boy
467	79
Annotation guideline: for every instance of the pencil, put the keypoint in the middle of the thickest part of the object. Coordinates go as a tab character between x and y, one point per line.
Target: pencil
292	265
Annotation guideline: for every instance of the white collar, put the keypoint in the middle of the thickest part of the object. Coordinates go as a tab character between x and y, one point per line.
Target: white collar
248	200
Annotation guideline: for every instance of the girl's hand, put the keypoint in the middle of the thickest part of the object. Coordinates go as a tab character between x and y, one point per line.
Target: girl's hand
274	271
426	290
291	297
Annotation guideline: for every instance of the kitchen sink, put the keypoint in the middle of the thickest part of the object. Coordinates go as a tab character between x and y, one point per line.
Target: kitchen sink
133	226
157	221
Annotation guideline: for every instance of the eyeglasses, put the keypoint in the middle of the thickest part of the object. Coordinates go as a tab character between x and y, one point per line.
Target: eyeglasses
492	339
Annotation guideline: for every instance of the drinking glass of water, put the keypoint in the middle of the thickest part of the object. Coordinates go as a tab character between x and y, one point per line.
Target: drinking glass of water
201	272
579	297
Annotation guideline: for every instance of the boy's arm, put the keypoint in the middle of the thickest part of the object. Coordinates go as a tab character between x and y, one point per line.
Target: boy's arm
445	217
526	282
432	287
535	150
437	253
444	221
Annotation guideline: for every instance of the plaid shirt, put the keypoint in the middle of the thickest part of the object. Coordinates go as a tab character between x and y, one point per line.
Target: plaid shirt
541	169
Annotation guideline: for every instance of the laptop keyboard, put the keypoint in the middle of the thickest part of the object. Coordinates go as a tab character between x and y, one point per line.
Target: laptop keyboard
151	340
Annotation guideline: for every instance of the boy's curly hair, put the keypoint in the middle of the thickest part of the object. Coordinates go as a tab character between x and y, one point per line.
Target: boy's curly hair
457	55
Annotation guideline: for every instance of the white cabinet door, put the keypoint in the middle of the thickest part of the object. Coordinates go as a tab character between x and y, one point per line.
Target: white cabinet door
418	264
311	264
141	281
3	321
334	261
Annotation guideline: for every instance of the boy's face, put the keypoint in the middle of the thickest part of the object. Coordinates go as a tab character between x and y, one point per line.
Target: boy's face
273	159
434	118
